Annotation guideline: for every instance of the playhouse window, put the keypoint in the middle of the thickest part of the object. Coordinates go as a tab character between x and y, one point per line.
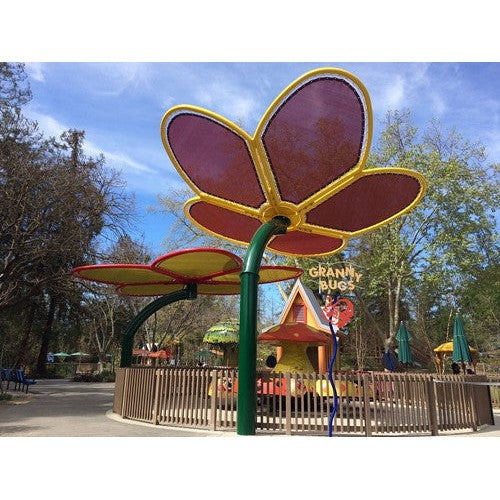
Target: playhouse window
299	313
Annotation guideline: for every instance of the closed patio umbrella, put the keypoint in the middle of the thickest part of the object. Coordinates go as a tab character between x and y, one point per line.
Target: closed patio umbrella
403	338
79	355
61	354
461	351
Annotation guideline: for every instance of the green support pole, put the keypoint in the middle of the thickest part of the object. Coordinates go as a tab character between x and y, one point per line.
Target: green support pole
188	293
247	396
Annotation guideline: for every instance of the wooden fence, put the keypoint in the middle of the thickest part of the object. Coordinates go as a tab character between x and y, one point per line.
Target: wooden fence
495	389
369	403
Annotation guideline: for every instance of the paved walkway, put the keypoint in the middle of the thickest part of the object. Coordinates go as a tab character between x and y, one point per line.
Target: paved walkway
61	408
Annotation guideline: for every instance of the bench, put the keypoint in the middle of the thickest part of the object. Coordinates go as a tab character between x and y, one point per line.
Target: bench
22	381
8	376
18	377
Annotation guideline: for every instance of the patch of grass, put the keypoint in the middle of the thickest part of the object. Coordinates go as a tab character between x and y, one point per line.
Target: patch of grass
6	397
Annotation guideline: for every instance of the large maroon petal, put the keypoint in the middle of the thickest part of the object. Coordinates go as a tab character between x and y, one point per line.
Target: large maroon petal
224	222
301	243
215	158
367	201
241	228
315	136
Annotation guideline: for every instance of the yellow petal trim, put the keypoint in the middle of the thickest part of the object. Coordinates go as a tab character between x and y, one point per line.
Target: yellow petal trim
118	275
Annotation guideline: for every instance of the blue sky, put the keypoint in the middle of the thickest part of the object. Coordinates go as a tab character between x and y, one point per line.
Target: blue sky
120	106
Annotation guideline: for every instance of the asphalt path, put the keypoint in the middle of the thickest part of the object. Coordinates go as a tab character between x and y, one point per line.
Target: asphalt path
62	408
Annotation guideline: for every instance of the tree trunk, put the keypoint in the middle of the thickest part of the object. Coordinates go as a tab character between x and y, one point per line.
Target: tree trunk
101	360
22	352
448	325
41	368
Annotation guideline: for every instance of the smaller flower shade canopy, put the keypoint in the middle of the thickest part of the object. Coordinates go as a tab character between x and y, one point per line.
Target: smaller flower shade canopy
305	161
447	348
215	271
161	354
141	352
295	338
225	336
226	332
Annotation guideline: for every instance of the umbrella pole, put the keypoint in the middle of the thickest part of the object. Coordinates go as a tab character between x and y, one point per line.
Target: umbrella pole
188	293
247	363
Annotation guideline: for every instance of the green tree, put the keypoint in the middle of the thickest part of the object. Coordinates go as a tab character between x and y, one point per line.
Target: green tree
446	238
55	203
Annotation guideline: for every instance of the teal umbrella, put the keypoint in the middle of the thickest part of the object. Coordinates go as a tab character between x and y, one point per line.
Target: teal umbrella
79	354
403	338
61	355
461	351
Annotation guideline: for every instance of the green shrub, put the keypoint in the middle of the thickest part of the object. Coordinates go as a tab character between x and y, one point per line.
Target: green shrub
5	397
105	376
108	376
60	370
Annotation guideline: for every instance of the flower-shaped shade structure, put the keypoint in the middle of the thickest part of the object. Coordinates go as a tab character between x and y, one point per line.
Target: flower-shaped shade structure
225	336
222	333
305	161
215	271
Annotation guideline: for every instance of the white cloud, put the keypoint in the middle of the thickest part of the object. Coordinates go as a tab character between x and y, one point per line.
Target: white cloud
35	70
419	74
119	160
112	79
48	125
52	127
438	104
394	94
229	100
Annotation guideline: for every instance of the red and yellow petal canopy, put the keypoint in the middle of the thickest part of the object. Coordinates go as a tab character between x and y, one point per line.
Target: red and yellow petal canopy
197	263
215	271
305	161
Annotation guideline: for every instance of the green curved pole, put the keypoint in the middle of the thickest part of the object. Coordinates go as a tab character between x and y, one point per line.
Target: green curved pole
188	293
247	395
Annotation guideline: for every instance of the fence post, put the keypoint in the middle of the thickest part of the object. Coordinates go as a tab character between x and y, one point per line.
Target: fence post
431	406
490	403
157	378
472	404
368	412
213	412
288	404
125	392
